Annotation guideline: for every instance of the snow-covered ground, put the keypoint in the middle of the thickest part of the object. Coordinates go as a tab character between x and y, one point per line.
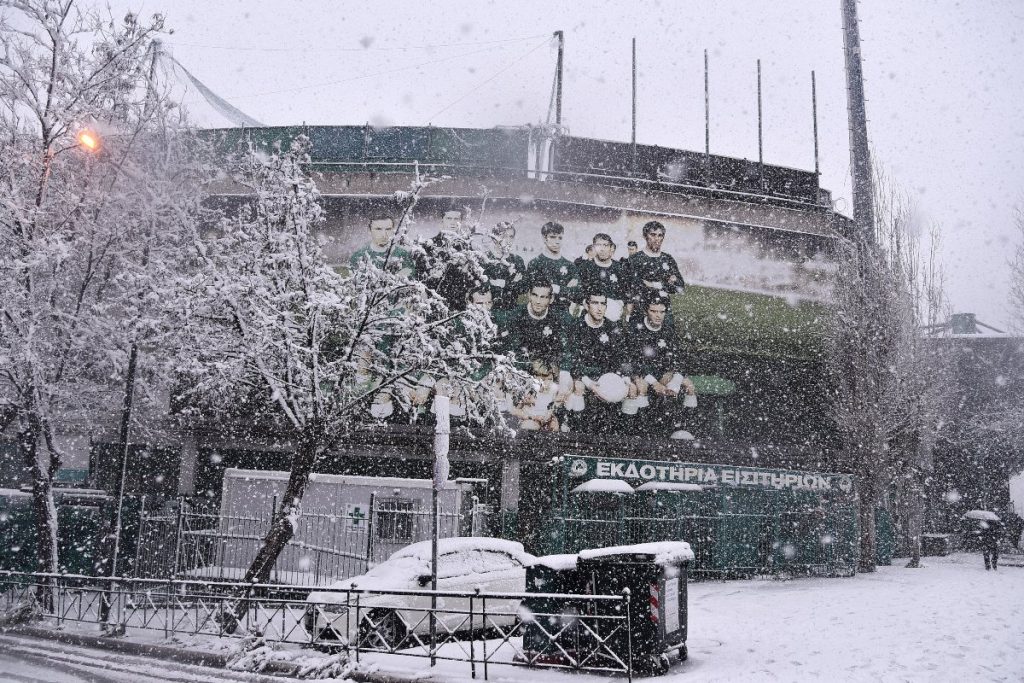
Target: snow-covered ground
949	621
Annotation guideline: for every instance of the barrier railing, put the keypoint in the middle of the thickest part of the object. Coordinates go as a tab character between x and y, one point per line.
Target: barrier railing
479	628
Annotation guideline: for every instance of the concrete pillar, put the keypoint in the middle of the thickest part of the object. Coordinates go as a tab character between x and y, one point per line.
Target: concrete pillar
187	467
510	485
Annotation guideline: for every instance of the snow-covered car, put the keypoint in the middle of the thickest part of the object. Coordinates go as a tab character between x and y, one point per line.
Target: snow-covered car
492	565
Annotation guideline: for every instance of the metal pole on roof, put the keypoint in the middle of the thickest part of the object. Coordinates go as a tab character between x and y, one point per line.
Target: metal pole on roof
760	128
814	117
707	119
633	138
860	153
558	77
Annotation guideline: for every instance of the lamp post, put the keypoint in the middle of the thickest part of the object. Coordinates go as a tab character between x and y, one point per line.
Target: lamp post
442	432
90	141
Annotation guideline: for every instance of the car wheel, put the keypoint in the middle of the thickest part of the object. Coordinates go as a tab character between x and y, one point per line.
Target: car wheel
382	629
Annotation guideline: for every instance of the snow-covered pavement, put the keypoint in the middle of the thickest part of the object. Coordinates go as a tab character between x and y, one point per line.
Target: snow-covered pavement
30	660
949	621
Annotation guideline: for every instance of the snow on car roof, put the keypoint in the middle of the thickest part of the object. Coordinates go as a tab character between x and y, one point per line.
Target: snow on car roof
669	486
421	550
603	486
404	567
984	515
665	552
557	562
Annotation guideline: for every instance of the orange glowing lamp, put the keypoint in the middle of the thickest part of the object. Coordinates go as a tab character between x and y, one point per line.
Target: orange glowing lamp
89	140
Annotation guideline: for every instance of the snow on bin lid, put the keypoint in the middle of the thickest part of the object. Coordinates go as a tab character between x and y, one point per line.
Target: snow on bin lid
665	552
982	515
603	486
669	486
556	562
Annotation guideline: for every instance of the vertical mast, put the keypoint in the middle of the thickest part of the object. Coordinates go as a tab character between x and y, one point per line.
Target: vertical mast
860	153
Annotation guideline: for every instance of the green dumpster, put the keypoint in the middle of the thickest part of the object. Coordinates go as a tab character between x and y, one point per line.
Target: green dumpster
655	575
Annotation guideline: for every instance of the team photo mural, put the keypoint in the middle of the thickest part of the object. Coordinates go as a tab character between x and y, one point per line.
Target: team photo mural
610	311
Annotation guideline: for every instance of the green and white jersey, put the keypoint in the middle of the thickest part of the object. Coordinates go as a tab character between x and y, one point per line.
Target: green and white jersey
400	261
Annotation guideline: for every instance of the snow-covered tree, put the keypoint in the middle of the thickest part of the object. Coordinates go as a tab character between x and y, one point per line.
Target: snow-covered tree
888	380
269	324
1000	427
1017	276
93	189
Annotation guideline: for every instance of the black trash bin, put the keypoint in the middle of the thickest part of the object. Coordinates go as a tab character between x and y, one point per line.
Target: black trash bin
549	636
655	574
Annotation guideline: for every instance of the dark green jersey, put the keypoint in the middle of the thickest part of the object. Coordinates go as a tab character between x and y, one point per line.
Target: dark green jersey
611	280
533	338
593	351
654	352
505	277
650	275
561	273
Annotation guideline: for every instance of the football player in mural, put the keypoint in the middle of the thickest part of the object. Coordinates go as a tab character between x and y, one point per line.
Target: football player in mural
606	275
451	221
445	263
654	273
659	371
596	359
536	330
482	298
505	270
538	408
555	268
382	233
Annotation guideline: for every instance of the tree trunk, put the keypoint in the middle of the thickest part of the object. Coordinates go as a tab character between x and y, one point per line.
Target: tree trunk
915	519
282	527
866	521
916	500
40	463
43	465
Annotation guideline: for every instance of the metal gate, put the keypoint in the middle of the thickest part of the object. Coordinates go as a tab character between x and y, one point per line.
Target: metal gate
194	540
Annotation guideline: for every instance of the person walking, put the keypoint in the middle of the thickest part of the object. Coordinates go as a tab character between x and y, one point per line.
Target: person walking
989	529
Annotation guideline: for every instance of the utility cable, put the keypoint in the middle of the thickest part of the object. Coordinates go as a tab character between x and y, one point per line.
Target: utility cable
356	49
357	78
484	82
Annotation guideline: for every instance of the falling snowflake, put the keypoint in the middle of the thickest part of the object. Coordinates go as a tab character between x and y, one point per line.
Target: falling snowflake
547	331
603	338
661	343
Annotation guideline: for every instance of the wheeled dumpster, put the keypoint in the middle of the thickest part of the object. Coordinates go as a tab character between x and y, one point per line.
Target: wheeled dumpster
549	635
655	575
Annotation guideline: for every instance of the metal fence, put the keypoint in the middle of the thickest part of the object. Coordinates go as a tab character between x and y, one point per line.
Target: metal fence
480	629
196	541
726	543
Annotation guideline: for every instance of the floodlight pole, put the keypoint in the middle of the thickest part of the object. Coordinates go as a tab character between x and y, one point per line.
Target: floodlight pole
560	37
860	152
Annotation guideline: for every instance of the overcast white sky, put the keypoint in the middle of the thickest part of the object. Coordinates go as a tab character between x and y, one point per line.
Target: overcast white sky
944	81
